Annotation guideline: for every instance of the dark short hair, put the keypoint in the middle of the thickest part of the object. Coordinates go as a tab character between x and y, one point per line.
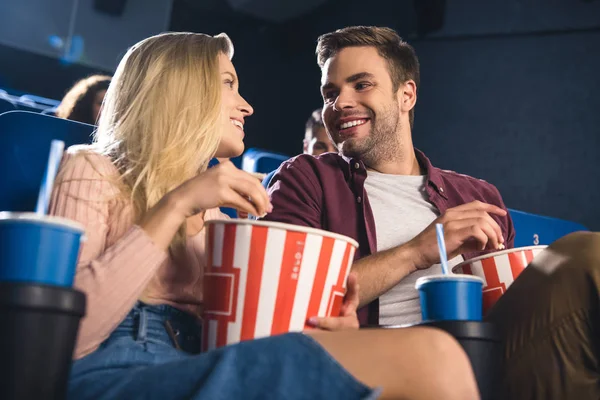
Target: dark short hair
402	60
315	121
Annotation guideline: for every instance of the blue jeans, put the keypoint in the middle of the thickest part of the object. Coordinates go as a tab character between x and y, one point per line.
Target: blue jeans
141	359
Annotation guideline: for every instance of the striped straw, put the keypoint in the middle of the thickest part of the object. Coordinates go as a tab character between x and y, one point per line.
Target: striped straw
439	229
56	153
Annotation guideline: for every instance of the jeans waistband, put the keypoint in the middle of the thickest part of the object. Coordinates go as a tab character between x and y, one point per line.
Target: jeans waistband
164	311
164	324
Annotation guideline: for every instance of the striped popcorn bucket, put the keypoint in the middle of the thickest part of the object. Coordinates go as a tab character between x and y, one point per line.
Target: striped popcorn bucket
268	278
498	270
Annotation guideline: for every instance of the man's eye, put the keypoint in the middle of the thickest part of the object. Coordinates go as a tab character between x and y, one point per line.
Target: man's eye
329	95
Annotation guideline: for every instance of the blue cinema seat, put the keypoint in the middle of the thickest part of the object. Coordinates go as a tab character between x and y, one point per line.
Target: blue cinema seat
531	229
6	104
256	160
24	149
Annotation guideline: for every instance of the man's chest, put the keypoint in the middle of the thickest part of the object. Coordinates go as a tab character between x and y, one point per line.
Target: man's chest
400	212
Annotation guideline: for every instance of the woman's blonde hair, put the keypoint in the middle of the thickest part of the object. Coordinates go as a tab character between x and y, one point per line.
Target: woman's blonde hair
161	118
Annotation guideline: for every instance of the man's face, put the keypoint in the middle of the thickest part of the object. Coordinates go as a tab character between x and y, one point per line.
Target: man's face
319	143
361	111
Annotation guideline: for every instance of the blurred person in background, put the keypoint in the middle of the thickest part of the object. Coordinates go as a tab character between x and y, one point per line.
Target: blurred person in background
142	191
316	140
83	102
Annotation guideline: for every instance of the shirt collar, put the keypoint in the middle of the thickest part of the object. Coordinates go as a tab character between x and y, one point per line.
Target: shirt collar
434	175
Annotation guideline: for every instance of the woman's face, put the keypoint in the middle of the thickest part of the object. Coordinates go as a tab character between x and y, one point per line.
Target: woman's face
97	105
233	111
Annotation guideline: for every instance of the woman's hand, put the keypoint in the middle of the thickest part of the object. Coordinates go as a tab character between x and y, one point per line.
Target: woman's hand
222	186
348	318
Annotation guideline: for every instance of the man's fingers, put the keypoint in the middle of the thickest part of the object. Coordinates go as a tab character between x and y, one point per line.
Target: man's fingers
459	232
480	206
473	235
333	323
473	214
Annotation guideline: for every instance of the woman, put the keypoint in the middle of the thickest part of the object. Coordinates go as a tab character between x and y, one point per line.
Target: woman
143	192
83	102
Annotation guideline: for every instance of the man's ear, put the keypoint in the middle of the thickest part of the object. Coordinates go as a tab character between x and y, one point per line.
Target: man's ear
407	95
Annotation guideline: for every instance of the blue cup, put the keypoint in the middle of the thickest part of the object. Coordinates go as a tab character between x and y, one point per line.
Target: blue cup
450	297
38	249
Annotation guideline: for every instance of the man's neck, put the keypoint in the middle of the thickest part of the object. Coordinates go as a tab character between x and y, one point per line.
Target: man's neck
404	163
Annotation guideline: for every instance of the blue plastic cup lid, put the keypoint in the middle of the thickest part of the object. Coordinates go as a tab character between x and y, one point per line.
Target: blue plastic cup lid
6	216
450	277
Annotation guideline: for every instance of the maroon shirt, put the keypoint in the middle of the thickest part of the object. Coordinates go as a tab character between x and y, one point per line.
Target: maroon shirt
327	192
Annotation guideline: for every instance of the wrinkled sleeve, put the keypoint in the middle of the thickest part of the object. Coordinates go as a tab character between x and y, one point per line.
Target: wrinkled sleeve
296	194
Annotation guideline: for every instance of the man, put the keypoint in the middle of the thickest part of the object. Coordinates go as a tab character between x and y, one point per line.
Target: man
381	191
387	195
316	141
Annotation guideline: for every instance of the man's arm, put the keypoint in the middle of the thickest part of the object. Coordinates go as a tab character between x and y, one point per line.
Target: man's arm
508	227
467	228
295	195
379	272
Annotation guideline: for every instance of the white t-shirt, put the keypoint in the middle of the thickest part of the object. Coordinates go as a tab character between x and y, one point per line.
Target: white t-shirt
402	210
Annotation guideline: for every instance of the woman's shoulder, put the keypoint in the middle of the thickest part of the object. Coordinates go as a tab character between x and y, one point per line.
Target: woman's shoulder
87	162
86	173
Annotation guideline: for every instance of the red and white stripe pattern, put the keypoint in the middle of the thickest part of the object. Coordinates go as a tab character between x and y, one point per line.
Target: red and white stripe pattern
262	280
498	271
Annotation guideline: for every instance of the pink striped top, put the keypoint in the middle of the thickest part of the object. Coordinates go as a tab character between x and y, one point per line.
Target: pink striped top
118	263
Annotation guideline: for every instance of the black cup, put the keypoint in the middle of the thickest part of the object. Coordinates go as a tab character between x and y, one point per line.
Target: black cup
38	329
483	345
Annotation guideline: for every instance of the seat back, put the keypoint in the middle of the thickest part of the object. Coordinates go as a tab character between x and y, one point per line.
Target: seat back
24	147
531	229
6	104
257	160
267	179
42	101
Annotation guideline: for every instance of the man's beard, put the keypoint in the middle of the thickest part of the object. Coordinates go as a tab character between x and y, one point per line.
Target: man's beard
382	143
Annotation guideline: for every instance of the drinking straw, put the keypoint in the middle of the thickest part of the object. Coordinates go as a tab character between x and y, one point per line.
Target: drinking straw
56	152
439	229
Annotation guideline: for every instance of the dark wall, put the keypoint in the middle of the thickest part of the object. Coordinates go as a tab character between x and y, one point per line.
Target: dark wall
28	72
520	112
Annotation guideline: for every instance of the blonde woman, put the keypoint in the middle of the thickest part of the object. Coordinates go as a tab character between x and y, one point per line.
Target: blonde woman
143	192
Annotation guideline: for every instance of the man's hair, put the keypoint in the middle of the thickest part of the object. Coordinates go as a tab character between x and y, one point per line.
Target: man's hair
315	121
402	60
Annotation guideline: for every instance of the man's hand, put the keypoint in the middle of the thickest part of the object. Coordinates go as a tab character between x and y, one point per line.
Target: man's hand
467	228
348	318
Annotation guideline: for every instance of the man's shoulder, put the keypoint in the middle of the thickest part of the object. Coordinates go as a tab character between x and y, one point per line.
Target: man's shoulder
454	176
470	186
327	162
